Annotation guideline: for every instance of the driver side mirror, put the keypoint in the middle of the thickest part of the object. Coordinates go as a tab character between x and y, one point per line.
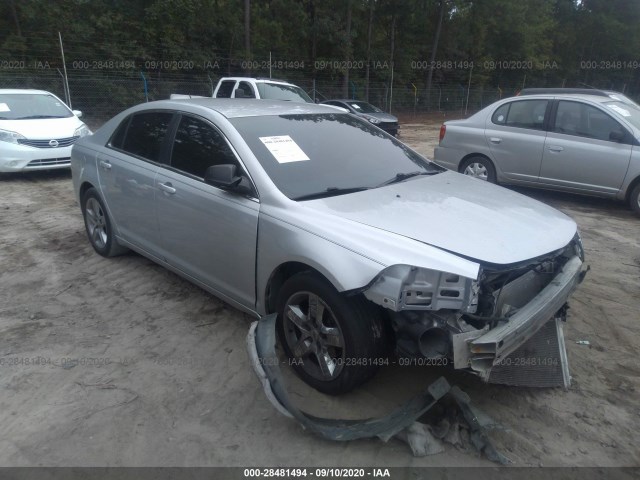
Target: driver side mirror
223	176
616	136
77	113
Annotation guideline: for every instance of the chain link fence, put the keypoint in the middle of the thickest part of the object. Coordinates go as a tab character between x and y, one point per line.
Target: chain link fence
102	95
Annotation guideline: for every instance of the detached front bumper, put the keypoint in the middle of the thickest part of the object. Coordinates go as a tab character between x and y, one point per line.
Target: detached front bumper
481	350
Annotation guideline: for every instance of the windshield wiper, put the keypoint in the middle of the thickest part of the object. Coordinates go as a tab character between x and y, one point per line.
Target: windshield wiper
330	192
404	176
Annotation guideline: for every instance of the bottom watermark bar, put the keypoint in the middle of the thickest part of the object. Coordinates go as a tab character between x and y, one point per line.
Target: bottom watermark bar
232	473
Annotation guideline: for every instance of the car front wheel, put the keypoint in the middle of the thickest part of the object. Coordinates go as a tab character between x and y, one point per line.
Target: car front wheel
480	168
98	225
334	343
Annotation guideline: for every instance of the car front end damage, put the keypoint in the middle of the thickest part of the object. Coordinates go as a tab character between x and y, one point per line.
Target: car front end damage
485	325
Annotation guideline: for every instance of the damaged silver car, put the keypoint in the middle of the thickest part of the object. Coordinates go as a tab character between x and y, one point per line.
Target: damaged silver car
360	245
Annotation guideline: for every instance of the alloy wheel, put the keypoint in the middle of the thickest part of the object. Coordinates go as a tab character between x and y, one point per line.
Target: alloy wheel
313	335
96	223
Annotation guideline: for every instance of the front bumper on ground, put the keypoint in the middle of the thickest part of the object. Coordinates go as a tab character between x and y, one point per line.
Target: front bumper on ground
481	350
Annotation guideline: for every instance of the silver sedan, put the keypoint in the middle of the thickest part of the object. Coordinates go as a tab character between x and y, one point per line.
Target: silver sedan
572	142
357	242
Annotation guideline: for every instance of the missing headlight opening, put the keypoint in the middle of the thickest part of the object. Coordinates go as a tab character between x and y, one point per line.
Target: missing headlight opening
481	323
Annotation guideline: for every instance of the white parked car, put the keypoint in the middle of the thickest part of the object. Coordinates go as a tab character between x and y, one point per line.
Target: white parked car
37	130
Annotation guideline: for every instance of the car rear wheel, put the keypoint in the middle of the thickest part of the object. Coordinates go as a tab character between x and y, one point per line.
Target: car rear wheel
634	199
98	225
334	343
480	168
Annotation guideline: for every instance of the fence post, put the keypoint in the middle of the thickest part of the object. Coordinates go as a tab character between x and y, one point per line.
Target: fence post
67	93
146	91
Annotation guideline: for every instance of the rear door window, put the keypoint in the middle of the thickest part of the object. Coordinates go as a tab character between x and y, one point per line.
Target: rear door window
226	89
522	114
146	135
245	90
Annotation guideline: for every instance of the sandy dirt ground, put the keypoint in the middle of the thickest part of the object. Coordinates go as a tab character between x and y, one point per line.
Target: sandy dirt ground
118	362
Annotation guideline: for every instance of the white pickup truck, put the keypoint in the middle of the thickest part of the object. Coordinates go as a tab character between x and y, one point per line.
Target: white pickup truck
264	88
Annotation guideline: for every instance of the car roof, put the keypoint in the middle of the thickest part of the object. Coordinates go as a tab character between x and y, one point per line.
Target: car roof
568	90
576	96
587	92
22	91
235	108
258	80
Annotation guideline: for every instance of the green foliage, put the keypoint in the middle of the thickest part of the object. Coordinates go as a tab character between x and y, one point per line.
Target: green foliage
508	43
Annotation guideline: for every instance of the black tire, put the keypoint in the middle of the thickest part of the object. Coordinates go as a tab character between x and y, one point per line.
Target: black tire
634	199
481	166
98	225
352	322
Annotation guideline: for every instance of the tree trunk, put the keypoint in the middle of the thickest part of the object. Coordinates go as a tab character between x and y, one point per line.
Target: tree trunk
434	50
247	31
366	83
393	57
347	56
14	14
314	44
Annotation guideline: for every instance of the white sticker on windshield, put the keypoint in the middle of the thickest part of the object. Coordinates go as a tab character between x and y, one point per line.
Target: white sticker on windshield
4	107
284	149
621	111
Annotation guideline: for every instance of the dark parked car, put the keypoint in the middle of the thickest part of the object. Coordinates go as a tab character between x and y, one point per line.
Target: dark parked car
380	119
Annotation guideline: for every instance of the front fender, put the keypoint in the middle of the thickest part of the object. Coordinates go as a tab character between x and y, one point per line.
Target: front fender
280	242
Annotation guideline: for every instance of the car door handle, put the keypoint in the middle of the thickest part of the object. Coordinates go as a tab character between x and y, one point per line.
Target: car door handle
105	165
167	188
495	140
555	148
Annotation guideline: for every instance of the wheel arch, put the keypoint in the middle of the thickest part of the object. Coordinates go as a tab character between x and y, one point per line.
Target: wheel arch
471	155
632	185
497	172
83	189
280	275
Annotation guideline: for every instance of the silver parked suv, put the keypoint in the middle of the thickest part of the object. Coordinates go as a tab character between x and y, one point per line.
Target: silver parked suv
583	143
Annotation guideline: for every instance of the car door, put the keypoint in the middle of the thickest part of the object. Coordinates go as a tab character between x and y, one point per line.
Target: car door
127	170
208	233
515	133
580	151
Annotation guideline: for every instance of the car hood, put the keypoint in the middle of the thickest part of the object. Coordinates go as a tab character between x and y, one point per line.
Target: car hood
43	128
459	214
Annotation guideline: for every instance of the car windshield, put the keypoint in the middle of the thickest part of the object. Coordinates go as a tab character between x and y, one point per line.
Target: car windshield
278	91
364	107
24	106
306	154
629	112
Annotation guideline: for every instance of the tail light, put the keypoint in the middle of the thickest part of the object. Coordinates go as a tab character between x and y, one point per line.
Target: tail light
443	130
